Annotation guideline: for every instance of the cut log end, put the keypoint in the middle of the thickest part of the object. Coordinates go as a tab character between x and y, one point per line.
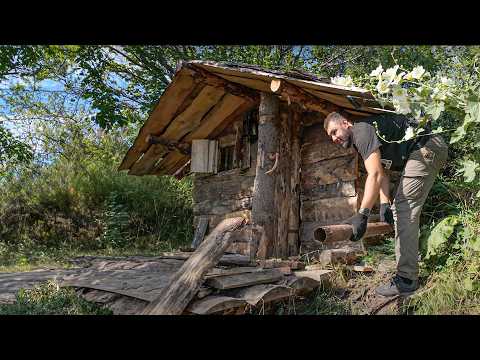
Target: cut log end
275	85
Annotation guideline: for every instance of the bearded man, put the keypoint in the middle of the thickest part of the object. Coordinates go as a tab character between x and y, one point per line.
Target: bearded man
419	159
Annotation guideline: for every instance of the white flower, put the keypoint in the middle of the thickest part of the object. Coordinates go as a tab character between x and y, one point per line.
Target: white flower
409	133
377	72
402	106
446	81
418	72
438	94
342	81
398	77
399	92
383	86
389	74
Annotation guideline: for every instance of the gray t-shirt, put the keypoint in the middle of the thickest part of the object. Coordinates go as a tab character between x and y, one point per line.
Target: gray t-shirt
391	127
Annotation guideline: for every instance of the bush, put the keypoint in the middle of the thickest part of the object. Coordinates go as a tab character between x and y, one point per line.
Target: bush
82	203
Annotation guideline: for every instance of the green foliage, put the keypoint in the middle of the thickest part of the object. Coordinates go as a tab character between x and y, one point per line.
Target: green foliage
468	169
440	235
116	221
12	151
49	299
78	201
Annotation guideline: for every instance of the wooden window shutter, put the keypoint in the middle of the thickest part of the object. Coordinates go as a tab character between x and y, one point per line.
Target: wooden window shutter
204	156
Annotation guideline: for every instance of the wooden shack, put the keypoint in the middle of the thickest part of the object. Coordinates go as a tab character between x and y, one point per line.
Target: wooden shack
254	141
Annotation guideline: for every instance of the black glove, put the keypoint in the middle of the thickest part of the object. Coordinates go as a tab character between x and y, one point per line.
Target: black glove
386	214
359	226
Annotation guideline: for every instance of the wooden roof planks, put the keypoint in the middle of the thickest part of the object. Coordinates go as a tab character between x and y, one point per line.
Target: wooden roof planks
176	93
179	127
205	96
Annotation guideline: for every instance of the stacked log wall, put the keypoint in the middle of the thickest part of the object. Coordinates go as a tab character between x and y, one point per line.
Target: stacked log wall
228	194
329	182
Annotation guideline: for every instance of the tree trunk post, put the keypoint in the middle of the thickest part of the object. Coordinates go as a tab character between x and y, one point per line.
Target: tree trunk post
264	212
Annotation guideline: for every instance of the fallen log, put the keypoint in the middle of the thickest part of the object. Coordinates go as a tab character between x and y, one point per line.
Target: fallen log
183	286
342	232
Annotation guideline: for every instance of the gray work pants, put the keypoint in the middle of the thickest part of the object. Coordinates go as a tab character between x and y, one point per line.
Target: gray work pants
415	183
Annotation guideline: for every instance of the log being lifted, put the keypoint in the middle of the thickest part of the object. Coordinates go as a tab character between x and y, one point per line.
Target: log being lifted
342	232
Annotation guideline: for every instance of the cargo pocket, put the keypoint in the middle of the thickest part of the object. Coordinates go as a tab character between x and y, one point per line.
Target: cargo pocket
411	188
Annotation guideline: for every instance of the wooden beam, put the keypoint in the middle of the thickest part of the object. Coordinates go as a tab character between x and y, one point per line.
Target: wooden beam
186	282
292	93
183	148
216	81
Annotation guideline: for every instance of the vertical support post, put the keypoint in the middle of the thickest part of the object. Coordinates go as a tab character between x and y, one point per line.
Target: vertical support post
264	212
295	168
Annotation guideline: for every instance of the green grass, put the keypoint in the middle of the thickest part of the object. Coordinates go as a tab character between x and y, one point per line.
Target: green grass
453	290
49	299
377	253
13	260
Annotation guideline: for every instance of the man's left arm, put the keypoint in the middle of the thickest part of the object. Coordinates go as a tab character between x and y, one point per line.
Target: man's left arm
376	183
376	179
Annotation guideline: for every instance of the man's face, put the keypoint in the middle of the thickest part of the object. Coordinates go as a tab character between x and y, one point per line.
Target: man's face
340	133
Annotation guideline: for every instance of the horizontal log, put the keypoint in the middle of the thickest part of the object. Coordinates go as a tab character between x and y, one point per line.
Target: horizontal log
235	260
340	189
329	171
220	207
328	211
318	151
333	233
236	188
292	93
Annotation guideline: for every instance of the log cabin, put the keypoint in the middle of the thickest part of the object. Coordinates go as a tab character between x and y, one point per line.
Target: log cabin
254	143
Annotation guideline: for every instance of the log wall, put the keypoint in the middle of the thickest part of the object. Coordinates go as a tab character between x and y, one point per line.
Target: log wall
328	186
228	194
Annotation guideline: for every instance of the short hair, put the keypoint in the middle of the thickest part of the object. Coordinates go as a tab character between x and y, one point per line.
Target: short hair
335	116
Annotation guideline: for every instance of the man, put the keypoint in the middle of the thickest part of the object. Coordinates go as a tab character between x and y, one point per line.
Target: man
419	159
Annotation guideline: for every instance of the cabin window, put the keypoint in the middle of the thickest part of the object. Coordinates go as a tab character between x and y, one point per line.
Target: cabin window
204	156
226	158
